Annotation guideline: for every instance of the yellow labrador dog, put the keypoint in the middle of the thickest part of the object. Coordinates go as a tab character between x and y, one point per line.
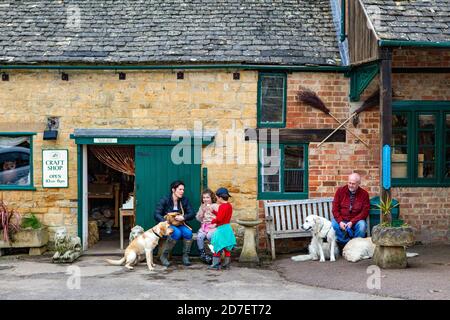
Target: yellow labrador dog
143	244
321	229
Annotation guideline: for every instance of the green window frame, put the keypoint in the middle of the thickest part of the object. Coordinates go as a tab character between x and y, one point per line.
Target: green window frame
263	99
30	186
281	193
421	144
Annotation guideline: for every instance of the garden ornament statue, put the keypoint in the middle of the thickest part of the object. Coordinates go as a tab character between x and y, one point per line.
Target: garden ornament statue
68	248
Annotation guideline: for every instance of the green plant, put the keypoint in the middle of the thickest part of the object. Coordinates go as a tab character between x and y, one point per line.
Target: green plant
386	207
31	221
10	221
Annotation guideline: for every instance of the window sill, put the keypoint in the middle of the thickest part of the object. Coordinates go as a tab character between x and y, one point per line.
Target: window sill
283	196
17	188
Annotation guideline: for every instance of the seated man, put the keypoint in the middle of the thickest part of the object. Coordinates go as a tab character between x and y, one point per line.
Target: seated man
351	206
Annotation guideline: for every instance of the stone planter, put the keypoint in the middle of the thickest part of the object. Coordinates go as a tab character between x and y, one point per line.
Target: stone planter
35	239
390	244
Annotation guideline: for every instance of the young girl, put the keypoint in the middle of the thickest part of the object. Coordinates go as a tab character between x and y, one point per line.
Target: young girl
223	238
206	213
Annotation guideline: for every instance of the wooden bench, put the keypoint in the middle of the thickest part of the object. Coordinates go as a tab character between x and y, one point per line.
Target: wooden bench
284	219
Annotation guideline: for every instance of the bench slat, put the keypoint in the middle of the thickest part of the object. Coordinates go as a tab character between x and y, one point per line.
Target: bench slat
277	219
288	218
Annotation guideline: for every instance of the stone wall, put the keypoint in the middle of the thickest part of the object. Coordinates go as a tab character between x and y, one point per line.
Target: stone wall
145	100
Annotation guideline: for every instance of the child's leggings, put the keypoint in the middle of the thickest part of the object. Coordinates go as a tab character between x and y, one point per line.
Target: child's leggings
227	253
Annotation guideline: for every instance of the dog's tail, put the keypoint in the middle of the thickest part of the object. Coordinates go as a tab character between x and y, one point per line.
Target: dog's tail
302	257
116	262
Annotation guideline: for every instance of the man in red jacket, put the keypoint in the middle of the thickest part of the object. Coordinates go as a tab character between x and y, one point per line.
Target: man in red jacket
351	206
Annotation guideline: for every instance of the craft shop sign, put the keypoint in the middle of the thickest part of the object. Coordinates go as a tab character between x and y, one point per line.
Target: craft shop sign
55	169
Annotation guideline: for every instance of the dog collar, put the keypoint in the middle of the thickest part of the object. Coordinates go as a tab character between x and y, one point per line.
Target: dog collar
156	234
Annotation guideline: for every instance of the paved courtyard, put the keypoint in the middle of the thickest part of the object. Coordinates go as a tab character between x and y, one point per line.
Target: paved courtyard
23	277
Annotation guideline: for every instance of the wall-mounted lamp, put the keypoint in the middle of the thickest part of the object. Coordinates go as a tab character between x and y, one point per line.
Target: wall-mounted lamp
5	77
51	130
122	75
180	75
64	76
236	75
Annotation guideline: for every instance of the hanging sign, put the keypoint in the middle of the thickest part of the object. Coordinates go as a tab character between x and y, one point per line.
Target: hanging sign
55	169
386	167
105	140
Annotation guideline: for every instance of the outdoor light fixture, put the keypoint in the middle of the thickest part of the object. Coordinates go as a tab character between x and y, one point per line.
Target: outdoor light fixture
236	76
122	75
64	76
180	75
51	130
5	77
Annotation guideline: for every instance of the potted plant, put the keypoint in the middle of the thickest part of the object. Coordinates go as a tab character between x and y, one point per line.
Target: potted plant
22	232
391	238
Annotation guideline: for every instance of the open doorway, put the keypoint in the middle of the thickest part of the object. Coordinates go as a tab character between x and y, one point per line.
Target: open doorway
111	185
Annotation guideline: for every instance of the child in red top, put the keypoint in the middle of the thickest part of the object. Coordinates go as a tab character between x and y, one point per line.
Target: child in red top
223	238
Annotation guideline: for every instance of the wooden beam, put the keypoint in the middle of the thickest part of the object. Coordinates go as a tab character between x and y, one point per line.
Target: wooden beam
295	135
385	114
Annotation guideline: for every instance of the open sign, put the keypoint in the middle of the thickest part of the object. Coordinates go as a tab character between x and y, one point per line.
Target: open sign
55	168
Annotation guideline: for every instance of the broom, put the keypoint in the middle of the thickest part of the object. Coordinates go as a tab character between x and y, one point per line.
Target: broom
370	102
312	99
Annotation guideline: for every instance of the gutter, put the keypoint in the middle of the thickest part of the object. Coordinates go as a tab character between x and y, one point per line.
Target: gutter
419	44
341	69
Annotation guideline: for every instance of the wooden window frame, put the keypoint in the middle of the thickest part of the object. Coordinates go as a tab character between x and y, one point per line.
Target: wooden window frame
413	109
282	195
281	124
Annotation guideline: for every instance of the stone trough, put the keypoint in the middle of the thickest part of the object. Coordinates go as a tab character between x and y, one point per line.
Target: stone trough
35	239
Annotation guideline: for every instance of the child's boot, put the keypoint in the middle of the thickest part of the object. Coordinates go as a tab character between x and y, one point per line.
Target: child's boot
215	263
205	257
226	263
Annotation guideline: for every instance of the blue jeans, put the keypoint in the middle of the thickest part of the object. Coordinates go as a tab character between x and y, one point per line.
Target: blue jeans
359	231
181	232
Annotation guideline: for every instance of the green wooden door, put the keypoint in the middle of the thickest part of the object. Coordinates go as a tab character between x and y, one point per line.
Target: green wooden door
155	171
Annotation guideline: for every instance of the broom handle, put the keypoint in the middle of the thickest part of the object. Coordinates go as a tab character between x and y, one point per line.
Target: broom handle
340	126
351	131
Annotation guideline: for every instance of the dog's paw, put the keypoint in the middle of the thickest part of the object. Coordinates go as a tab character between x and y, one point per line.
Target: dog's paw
129	267
332	259
322	260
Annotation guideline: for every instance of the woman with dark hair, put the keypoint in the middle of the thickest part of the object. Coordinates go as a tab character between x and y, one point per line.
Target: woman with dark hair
176	209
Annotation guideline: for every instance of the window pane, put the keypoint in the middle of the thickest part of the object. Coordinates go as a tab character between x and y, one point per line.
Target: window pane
14	160
447	154
270	170
399	170
427	121
427	138
447	171
425	170
425	154
399	120
271	183
400	151
448	137
399	138
272	90
293	181
293	157
447	120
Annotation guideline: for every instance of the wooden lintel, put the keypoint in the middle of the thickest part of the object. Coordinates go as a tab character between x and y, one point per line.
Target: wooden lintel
295	135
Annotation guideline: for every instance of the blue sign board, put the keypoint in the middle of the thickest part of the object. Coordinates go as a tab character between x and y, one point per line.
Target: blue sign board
386	167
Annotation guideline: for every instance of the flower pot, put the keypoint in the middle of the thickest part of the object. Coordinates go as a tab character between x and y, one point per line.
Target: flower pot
35	239
390	244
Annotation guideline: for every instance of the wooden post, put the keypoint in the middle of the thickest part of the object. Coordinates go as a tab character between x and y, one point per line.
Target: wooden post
385	116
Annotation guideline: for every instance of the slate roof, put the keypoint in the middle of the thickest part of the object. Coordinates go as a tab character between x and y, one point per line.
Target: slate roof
167	31
410	20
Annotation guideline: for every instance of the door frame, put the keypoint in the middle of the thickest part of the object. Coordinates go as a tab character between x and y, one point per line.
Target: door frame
85	137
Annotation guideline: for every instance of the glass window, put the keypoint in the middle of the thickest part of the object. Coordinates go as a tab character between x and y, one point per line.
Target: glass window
399	145
272	99
283	172
15	160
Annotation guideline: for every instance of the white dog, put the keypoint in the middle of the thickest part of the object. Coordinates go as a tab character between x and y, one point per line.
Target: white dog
321	229
358	249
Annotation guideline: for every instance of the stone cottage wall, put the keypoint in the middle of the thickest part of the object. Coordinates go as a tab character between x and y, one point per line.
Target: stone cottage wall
145	100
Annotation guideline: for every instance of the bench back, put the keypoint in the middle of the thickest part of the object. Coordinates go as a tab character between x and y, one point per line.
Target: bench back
284	219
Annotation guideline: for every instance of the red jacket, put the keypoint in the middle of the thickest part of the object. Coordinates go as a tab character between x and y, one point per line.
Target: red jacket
341	205
223	215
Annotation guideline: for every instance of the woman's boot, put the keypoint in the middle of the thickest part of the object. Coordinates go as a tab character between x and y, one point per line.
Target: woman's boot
167	248
215	263
186	249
